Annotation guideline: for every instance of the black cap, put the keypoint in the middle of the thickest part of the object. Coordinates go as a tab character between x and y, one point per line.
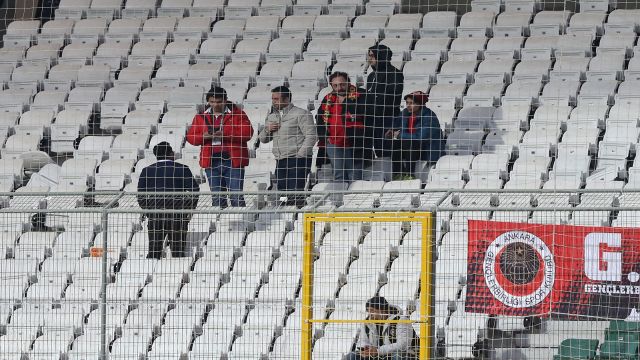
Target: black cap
378	303
162	150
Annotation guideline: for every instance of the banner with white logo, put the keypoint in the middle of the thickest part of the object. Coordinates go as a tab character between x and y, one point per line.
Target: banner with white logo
562	271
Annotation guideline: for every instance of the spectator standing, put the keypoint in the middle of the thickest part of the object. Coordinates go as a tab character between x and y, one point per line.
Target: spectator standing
167	176
293	133
416	135
341	127
384	94
397	341
222	131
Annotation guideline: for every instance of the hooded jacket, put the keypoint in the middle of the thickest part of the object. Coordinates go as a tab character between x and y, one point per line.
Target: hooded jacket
384	87
395	338
167	176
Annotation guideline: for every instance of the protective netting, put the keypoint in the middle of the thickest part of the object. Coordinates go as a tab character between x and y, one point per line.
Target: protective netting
509	279
283	108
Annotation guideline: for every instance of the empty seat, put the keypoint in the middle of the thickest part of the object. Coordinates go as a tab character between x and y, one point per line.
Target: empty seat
330	26
94	76
608	61
78	53
262	26
130	27
35	122
203	75
571	63
180	52
69	125
90	31
284	48
403	25
93	147
599	87
578	44
591	19
469	44
252	46
170	75
161	26
228	28
56	31
15	100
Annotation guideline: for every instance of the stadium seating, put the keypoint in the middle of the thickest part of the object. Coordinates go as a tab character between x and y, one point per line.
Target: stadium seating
527	98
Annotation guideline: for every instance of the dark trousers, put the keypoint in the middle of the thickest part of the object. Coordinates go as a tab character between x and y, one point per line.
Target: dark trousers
380	126
380	144
291	175
404	155
172	226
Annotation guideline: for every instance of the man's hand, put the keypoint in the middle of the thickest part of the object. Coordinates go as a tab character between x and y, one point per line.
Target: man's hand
396	134
273	126
388	134
217	134
207	136
369	351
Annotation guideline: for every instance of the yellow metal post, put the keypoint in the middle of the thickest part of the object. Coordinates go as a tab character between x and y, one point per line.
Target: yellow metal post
425	288
424	218
307	286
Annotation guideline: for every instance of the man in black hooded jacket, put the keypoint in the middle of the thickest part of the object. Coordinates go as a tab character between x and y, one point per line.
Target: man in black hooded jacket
384	93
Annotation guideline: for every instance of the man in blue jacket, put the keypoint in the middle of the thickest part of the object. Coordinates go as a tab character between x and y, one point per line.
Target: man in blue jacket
416	135
167	176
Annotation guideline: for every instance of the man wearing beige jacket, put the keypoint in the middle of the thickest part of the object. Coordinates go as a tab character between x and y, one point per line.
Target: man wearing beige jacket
293	133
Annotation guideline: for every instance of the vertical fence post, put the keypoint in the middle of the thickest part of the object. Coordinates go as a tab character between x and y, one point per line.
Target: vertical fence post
105	276
103	287
427	290
307	286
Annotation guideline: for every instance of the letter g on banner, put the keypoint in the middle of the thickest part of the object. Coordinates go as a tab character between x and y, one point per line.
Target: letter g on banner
612	260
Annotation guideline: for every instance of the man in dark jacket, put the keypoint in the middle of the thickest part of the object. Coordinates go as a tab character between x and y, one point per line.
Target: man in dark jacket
167	176
416	135
384	94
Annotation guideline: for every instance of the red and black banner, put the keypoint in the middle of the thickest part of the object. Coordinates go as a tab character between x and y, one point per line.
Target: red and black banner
562	271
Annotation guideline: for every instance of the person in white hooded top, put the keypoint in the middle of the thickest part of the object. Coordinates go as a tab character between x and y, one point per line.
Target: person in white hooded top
392	341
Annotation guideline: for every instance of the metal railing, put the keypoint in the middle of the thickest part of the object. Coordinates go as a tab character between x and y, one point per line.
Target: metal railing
123	204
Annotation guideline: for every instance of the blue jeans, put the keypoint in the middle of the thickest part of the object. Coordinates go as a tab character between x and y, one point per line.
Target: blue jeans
223	177
345	167
291	175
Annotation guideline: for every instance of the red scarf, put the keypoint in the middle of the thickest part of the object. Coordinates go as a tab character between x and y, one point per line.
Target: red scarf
411	124
334	118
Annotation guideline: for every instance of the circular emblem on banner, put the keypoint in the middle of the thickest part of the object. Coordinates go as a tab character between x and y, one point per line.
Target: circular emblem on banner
519	269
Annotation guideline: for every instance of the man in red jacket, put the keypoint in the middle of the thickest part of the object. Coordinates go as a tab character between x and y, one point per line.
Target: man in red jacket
222	131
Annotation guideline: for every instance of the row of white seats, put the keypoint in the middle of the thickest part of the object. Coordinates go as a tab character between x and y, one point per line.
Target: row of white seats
585	23
236	9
